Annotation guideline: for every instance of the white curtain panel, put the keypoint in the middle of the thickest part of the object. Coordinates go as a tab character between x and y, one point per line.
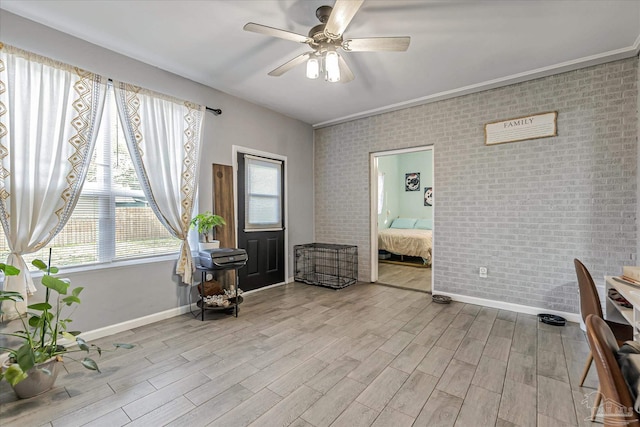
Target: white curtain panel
164	136
49	114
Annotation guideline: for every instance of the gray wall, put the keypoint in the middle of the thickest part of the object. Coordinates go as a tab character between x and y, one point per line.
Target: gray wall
125	293
523	209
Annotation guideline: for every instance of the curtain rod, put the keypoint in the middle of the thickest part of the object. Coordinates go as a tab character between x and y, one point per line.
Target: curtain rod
215	111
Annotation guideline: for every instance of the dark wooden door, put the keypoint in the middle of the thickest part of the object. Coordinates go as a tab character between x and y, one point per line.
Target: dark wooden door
261	220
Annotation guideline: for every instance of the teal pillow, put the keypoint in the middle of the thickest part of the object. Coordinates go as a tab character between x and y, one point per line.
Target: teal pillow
424	224
403	223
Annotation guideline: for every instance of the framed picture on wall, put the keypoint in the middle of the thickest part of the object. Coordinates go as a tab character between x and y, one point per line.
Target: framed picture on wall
428	196
412	181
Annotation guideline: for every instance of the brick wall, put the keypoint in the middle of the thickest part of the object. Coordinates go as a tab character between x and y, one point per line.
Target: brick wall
523	209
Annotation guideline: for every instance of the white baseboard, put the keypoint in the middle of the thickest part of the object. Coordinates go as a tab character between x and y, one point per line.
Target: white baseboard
265	287
136	323
156	317
572	317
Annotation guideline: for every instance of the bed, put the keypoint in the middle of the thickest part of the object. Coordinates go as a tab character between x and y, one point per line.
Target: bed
408	236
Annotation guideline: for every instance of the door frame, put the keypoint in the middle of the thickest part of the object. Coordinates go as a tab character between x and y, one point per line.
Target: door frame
235	149
373	185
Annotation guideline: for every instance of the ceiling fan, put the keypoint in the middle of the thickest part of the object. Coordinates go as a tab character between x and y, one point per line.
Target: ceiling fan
326	38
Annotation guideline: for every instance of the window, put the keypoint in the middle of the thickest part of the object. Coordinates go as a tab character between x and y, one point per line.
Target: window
263	196
112	219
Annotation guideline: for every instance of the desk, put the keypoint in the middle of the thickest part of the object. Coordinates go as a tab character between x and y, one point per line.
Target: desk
617	313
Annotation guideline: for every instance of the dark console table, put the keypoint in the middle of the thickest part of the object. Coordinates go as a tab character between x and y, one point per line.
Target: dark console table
237	300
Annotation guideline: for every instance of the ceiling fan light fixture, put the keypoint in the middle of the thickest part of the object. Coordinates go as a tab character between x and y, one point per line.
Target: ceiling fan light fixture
331	63
313	68
324	39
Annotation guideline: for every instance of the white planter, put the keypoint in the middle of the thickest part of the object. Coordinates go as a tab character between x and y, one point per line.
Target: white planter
40	378
215	244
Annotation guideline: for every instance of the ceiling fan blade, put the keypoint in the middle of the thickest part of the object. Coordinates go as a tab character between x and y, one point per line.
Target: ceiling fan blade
289	65
275	32
373	44
345	72
342	14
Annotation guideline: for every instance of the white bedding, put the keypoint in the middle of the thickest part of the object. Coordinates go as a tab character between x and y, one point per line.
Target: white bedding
412	242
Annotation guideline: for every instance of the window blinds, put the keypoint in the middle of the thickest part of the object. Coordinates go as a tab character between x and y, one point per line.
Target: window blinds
263	197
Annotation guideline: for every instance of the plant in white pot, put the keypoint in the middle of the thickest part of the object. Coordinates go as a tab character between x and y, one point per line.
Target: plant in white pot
35	352
205	223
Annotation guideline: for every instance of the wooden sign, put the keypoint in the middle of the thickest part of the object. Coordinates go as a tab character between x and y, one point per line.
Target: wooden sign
521	128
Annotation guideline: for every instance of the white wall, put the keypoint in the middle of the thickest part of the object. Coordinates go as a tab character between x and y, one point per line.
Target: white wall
124	293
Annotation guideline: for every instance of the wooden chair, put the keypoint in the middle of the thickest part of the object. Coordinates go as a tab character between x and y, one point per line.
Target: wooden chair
590	304
618	402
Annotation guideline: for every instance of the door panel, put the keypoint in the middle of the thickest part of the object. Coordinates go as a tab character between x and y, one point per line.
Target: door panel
272	255
252	253
265	247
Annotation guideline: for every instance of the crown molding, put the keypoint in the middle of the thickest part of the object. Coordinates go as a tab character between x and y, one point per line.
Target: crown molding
563	67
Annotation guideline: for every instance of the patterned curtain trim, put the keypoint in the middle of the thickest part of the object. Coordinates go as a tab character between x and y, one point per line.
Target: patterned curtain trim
129	100
159	95
85	123
71	130
193	119
4	151
190	163
30	56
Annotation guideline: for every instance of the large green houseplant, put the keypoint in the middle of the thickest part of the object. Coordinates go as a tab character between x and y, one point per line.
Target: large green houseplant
35	350
205	223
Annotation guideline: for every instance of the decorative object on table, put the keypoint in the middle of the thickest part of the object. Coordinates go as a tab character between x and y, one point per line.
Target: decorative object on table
32	366
205	224
412	181
441	299
428	196
551	319
224	299
216	301
211	287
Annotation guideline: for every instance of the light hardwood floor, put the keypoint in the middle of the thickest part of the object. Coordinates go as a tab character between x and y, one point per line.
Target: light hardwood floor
300	355
405	276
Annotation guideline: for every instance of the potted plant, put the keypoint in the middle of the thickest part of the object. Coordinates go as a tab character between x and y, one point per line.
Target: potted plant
34	361
205	223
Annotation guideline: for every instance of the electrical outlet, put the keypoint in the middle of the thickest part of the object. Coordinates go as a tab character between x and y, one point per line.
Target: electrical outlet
483	272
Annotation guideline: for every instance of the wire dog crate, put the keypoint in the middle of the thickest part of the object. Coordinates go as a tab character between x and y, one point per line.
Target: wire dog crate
324	264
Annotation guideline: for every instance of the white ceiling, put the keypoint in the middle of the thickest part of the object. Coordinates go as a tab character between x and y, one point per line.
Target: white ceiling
456	46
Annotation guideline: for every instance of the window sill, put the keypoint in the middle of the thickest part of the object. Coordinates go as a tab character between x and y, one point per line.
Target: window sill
110	265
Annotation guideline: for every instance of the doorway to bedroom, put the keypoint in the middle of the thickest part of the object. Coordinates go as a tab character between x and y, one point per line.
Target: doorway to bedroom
402	206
